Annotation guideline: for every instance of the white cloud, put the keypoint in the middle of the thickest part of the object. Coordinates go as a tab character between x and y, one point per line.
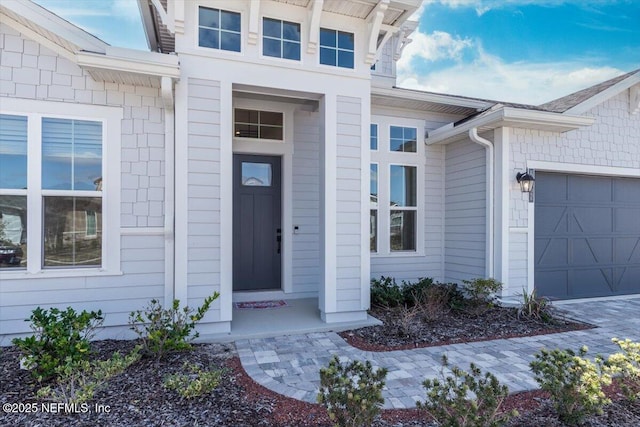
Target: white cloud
432	47
483	6
489	77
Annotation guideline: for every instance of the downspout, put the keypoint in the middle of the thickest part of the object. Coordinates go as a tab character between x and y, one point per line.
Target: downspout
166	91
473	135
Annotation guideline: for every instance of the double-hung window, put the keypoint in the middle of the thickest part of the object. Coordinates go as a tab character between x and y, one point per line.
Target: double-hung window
281	39
336	48
395	188
53	187
219	29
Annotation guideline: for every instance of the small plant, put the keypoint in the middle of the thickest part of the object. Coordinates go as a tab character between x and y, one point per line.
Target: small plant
195	383
436	300
626	365
465	399
78	381
535	307
386	292
165	330
352	393
574	383
482	293
61	339
411	291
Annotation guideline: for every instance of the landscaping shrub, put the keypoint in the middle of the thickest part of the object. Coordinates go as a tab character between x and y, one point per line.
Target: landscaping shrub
77	382
574	383
61	339
465	399
482	293
165	330
196	382
386	292
437	299
412	291
352	393
535	307
626	365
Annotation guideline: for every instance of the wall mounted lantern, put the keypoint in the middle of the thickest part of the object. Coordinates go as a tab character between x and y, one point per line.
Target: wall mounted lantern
526	181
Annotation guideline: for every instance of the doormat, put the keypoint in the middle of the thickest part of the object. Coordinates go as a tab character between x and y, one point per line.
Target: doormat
260	305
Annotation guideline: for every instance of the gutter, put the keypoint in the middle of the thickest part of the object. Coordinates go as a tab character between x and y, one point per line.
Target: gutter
502	116
473	135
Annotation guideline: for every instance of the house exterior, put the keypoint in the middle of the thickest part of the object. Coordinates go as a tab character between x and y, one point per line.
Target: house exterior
256	153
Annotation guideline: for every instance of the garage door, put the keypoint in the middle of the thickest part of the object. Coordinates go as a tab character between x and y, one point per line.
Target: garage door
587	235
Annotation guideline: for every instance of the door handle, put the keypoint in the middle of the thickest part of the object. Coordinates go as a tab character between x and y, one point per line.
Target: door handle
279	239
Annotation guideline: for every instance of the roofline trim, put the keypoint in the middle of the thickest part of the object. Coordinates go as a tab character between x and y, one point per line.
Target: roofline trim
131	61
600	97
57	25
509	117
431	97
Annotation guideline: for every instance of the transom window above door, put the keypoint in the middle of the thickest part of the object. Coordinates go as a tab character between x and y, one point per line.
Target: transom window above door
280	39
258	124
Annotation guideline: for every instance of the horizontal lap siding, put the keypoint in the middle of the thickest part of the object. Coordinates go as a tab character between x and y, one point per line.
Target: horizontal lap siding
306	202
348	219
203	191
465	211
116	296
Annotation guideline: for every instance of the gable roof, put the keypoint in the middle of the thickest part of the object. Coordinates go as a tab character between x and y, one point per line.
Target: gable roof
102	61
578	102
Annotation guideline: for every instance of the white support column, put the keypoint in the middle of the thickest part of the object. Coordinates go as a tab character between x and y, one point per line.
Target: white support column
226	199
169	189
328	133
365	189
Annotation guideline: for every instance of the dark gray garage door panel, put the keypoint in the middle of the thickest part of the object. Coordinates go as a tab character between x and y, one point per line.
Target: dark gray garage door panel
587	235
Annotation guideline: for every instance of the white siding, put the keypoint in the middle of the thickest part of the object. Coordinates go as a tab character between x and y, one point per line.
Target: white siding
203	192
518	252
465	211
348	176
306	202
116	296
31	71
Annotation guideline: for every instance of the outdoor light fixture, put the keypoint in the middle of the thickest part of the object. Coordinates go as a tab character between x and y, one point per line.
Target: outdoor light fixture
526	181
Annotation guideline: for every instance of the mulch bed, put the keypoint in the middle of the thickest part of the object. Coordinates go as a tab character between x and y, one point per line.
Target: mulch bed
138	398
400	333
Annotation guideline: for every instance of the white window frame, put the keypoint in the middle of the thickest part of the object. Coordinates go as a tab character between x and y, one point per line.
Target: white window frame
355	44
385	158
111	119
377	136
377	208
281	40
212	51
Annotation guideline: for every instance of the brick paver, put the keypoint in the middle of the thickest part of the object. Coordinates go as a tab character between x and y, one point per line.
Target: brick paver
290	364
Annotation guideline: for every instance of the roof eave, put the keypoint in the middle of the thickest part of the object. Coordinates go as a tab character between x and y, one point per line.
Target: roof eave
477	105
600	97
509	117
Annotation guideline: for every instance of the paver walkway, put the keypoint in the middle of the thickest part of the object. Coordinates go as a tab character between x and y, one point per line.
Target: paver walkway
290	365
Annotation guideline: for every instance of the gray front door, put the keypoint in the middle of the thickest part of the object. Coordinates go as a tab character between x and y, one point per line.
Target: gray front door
257	237
587	235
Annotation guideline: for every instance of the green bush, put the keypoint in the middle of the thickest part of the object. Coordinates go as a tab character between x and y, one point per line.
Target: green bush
195	383
413	291
465	399
77	382
626	365
574	383
162	331
61	339
535	307
482	293
352	393
386	292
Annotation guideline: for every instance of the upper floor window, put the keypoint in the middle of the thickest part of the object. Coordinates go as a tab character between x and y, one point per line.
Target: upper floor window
219	29
403	139
336	48
258	124
281	39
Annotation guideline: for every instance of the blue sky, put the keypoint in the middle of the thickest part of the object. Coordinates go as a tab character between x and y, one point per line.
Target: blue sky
528	51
